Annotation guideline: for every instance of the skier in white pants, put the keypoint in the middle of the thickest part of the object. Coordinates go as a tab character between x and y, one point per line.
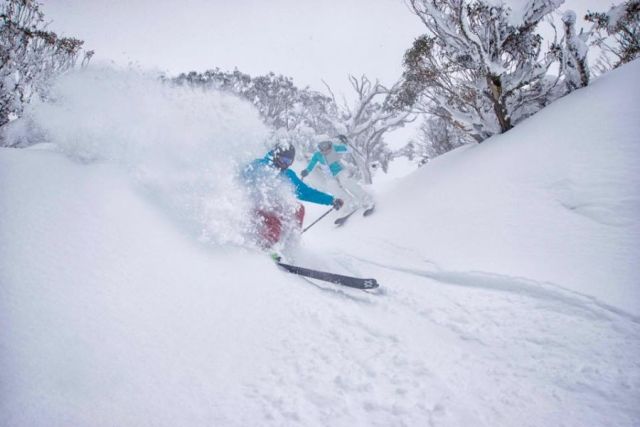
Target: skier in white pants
328	156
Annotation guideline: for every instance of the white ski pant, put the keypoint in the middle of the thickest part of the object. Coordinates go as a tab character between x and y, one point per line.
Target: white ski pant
359	197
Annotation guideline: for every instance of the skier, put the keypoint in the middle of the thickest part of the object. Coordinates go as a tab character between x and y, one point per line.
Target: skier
328	156
272	185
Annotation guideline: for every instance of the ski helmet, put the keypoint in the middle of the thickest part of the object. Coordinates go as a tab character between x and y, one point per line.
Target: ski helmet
283	155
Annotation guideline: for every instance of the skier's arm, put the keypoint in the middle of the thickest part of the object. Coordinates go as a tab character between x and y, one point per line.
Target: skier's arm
341	148
306	193
312	164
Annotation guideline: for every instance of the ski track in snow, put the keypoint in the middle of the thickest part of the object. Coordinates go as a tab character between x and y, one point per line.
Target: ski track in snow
349	371
541	346
519	285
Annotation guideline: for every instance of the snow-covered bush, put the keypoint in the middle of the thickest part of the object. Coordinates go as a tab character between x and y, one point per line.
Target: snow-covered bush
29	55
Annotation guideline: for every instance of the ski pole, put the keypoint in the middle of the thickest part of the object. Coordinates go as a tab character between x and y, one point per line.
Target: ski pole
314	222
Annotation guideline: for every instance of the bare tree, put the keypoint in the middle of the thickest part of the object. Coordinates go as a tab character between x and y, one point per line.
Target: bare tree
367	120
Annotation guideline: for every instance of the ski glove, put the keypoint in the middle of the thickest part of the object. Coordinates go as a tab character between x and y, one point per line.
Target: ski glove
337	204
304	173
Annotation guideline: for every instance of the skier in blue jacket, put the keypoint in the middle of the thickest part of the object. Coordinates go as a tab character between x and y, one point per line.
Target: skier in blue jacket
328	157
272	185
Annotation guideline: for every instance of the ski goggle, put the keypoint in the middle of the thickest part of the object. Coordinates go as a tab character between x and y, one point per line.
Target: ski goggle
284	161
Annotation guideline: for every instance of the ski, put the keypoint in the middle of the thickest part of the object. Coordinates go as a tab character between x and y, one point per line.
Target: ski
339	279
340	221
369	211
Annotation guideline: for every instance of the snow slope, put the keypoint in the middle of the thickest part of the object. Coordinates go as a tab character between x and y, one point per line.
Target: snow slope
508	295
555	200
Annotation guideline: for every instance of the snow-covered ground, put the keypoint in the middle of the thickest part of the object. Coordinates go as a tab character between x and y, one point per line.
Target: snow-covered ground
509	275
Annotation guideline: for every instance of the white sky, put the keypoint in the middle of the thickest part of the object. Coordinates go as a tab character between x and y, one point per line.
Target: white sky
309	40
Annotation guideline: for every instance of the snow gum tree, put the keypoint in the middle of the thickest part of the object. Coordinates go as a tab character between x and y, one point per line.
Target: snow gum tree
29	55
479	66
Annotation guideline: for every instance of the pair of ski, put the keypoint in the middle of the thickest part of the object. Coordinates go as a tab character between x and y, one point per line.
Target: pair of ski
340	221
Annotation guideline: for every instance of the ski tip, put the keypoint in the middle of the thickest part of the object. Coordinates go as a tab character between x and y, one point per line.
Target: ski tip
340	221
370	284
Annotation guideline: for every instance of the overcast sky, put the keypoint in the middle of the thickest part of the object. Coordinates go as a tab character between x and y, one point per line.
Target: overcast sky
309	40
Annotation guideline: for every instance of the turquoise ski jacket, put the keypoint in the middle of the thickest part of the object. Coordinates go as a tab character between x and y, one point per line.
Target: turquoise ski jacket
331	160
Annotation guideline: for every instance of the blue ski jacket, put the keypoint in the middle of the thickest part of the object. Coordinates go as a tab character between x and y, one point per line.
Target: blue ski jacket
263	168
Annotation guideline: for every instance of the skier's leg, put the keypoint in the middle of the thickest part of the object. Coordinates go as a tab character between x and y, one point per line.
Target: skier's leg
300	215
351	201
290	232
362	198
269	228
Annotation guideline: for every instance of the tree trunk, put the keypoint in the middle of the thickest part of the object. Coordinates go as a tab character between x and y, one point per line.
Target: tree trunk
499	108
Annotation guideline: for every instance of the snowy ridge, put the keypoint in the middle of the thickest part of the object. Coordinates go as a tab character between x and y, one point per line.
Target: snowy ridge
508	291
